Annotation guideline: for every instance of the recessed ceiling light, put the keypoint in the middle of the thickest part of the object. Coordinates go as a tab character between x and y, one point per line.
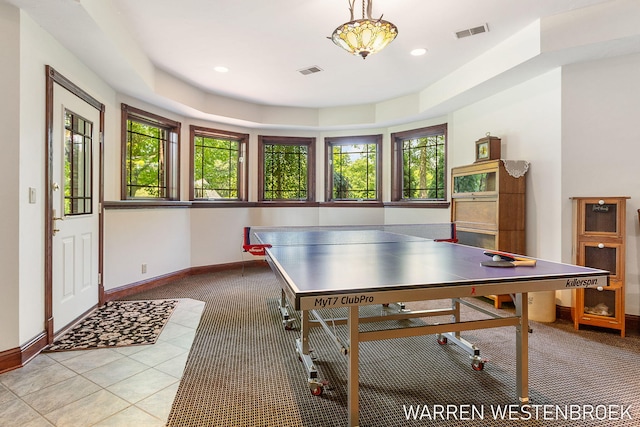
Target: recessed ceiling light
221	69
418	52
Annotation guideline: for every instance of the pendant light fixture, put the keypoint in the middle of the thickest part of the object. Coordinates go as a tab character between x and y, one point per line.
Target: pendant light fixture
364	36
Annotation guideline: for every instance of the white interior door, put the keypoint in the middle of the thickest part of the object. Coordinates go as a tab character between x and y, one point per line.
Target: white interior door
75	207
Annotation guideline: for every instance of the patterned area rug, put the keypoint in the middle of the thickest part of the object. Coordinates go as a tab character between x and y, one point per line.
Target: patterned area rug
118	323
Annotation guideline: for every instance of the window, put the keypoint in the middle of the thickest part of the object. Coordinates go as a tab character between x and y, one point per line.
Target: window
287	168
218	165
419	164
77	164
150	155
353	168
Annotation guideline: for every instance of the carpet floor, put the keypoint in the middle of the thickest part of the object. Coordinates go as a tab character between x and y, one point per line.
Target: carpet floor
243	369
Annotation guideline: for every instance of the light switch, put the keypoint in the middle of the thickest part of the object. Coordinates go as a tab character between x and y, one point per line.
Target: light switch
32	195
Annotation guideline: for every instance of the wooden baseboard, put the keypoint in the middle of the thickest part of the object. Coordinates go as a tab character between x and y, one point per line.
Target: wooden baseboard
154	282
20	356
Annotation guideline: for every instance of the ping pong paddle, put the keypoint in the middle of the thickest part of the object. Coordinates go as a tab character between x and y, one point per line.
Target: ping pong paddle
503	259
508	264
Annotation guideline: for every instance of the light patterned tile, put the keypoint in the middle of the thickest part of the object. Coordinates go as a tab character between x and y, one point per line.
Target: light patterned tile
88	411
25	382
39	362
142	385
173	330
64	355
131	349
157	353
92	359
132	416
175	366
61	394
159	404
40	421
184	341
6	395
115	371
186	318
17	413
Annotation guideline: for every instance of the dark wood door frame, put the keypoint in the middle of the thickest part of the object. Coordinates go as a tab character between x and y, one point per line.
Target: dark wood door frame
53	77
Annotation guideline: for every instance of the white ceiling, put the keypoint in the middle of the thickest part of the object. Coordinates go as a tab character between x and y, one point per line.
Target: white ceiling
264	43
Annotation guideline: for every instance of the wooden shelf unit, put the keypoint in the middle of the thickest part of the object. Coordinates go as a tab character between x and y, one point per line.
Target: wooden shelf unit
488	208
599	240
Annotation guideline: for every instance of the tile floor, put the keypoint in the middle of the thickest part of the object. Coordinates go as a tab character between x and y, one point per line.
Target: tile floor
124	386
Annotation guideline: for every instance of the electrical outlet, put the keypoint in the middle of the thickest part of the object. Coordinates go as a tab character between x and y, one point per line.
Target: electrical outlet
144	268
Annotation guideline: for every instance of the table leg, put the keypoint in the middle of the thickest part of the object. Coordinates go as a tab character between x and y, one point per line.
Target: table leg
287	321
304	330
522	348
352	372
456	313
304	352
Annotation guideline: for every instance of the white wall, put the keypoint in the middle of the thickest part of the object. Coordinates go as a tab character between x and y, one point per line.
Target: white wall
9	172
159	238
601	147
527	119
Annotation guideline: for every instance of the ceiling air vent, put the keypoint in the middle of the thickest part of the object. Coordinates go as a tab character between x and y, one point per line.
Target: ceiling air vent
310	70
472	31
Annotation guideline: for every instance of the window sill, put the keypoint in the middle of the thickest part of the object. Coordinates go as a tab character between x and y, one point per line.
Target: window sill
145	204
288	204
418	204
160	204
353	204
222	204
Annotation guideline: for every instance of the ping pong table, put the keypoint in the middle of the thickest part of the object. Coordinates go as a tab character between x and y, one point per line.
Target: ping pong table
324	268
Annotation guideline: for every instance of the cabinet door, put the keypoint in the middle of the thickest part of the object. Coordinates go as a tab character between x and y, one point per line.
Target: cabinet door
477	212
601	303
602	255
601	217
475	183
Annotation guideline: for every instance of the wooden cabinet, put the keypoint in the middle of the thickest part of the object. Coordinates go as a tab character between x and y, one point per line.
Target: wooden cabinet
488	206
599	242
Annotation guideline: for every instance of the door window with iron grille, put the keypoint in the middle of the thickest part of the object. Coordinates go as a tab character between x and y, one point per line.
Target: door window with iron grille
77	165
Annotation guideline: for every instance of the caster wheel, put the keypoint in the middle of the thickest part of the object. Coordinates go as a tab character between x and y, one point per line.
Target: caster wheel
477	365
442	340
316	390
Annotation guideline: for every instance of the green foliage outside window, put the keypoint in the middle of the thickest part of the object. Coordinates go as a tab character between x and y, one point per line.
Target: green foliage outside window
216	168
354	172
424	167
285	172
146	160
77	165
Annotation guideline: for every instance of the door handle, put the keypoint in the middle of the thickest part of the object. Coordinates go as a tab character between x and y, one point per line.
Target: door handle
55	230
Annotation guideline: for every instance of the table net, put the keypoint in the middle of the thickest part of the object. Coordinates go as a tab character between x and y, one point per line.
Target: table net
257	238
